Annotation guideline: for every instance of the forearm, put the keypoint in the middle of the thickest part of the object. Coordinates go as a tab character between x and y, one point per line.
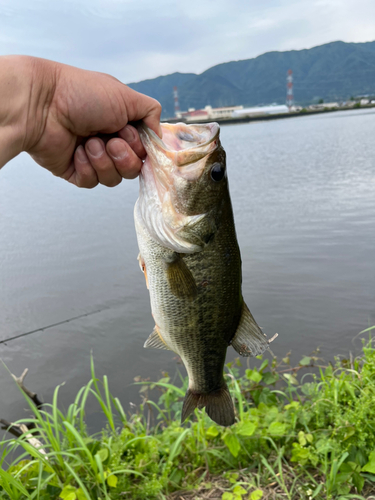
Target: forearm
25	88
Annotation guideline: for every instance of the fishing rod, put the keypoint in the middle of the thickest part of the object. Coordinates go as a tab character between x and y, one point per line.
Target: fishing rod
51	326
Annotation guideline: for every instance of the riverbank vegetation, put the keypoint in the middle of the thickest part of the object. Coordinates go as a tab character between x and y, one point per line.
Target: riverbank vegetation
303	432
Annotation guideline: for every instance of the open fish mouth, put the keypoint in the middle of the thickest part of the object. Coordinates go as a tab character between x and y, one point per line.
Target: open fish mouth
175	161
182	144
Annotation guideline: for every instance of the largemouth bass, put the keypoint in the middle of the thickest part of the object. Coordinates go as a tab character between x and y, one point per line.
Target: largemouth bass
191	261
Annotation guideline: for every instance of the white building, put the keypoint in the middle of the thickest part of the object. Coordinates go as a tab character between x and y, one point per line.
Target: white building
208	113
228	112
324	105
220	113
260	110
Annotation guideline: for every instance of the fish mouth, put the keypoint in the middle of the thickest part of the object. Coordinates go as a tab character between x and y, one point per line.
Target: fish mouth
173	161
181	153
182	144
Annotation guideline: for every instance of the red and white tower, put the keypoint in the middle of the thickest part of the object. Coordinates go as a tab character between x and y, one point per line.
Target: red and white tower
176	103
289	89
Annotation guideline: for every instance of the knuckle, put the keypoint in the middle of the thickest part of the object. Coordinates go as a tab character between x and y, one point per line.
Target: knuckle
111	182
131	168
102	165
132	174
87	182
157	106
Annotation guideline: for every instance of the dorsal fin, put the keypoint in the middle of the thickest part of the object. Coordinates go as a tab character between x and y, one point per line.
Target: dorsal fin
249	340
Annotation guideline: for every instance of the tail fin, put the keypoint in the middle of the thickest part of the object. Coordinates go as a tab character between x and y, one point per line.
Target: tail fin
219	405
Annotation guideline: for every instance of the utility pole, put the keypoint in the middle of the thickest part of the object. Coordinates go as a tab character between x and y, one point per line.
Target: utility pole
176	103
289	89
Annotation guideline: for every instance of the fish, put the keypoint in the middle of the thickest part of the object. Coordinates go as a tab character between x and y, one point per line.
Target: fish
191	261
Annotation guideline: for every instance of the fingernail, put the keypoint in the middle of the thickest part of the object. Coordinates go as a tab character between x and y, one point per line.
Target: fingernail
117	149
81	155
95	147
128	134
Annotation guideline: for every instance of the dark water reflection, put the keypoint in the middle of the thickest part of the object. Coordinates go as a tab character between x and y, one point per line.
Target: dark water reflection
303	192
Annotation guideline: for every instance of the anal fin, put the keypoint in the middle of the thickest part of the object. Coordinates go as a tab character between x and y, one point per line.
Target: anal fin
155	341
180	278
249	339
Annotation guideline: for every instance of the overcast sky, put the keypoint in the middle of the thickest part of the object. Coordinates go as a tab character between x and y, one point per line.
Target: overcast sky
139	39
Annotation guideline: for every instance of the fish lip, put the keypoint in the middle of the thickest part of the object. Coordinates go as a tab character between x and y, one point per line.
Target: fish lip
187	155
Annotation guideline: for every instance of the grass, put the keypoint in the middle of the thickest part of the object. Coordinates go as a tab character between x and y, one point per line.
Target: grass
304	432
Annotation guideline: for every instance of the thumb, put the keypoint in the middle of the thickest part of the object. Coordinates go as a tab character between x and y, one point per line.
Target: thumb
143	107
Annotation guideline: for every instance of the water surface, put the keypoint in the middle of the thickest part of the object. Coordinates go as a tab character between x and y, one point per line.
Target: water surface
303	192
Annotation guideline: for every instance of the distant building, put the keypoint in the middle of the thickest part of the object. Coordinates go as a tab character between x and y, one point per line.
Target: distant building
324	105
193	115
261	110
224	112
208	113
229	112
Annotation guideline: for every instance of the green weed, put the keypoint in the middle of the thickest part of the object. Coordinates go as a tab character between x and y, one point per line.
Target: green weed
309	436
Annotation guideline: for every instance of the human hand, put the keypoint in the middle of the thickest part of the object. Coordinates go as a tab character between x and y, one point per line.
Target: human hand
77	123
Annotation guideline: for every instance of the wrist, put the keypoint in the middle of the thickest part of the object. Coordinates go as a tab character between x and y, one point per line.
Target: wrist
26	90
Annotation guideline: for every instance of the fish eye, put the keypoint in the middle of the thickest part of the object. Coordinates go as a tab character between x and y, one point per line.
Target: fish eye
217	172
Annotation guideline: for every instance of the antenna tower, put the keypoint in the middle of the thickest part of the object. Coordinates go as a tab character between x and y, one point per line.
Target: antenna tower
289	89
176	103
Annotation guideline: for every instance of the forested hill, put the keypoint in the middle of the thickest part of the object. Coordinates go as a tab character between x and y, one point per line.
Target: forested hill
332	71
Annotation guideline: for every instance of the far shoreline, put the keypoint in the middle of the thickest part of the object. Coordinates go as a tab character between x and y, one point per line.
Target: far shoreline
247	119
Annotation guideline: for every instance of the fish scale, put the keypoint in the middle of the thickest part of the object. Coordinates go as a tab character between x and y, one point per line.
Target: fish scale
196	298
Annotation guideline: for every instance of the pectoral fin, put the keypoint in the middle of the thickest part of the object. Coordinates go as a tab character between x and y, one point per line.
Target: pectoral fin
249	339
155	341
180	279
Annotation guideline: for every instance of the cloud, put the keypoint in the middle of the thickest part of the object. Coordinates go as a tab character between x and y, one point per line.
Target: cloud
135	40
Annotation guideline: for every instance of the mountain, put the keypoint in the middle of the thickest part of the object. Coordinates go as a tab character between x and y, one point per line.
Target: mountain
332	71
